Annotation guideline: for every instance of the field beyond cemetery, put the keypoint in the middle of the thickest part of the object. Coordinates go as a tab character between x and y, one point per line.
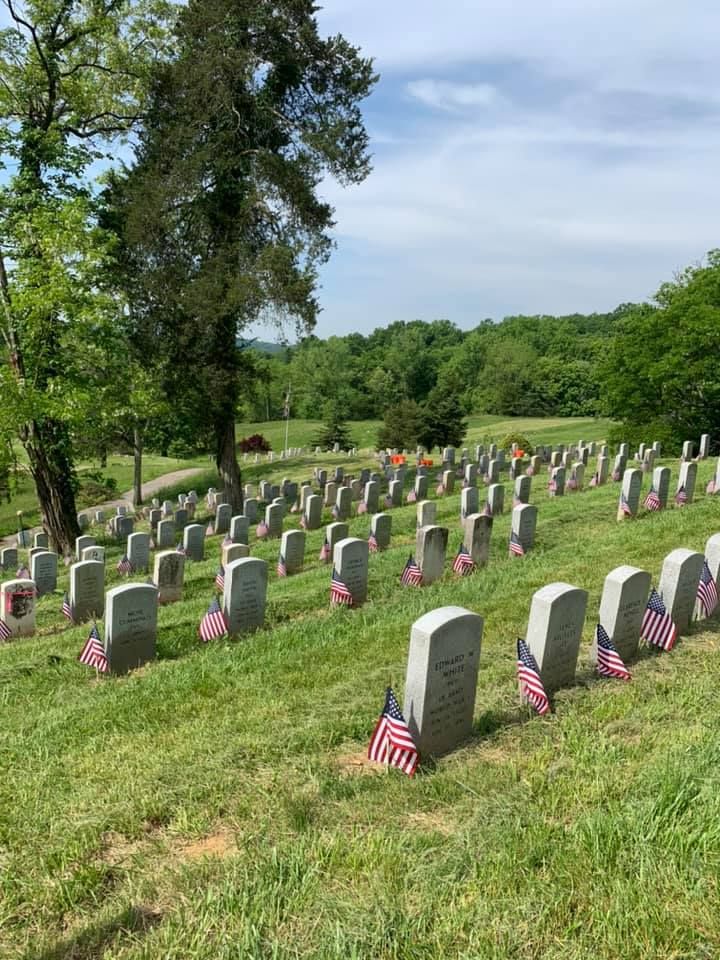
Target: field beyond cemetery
216	804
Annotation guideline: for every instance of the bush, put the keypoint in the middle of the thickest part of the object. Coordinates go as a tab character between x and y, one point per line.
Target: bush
510	438
95	487
402	426
255	444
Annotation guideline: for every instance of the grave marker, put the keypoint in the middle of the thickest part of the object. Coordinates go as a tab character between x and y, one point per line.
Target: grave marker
622	606
430	548
17	607
678	585
169	575
244	594
557	617
130	626
350	559
87	590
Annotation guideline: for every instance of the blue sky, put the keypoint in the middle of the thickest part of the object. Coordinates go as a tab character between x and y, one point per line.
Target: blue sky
528	157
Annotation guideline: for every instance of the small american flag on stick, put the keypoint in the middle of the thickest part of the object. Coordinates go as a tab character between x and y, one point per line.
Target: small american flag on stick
372	543
220	578
213	625
411	497
66	608
657	627
93	653
609	661
391	742
486	510
615	476
531	685
210	530
652	501
681	497
516	548
412	574
325	551
262	530
624	506
594	480
124	567
440	489
707	595
23	573
339	593
463	564
361	508
281	566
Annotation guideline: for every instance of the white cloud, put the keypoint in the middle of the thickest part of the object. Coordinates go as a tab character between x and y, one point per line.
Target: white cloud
449	96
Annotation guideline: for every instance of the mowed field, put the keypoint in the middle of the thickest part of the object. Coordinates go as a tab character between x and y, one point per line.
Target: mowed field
215	804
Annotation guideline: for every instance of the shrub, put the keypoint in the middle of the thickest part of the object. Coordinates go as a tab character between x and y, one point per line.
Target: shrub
257	443
510	438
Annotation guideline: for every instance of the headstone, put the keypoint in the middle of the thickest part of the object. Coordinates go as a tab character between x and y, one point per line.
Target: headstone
471	475
168	507
41	540
239	529
395	492
372	493
194	541
619	466
603	465
524	521
421	487
631	485
166	533
274	520
712	555
448	480
557	617
343	503
124	526
43	571
130	626
313	512
579	474
557	477
657	448
292	548
426	512
17	607
233	551
555	458
93	553
265	491
244	594
493	471
678	585
169	575
688	476
624	451
496	498
430	549
536	464
661	483
441	679
9	558
154	516
648	462
83	521
99	516
381	526
138	551
87	590
81	543
251	510
522	489
687	450
704	446
182	516
330	494
350	559
469	499
477	530
355	490
622	607
334	533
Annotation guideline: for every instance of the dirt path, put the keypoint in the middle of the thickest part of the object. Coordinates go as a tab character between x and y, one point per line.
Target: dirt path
149	489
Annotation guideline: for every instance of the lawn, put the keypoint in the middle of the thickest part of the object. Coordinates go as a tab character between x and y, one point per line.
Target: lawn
215	805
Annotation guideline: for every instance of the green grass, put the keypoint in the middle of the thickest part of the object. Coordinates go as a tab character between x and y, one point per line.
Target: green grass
214	805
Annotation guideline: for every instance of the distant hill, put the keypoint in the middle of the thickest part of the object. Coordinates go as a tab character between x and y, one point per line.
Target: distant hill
261	346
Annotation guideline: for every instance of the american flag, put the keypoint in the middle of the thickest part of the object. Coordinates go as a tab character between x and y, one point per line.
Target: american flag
609	661
220	578
572	483
339	592
594	480
303	522
391	742
707	595
440	489
124	566
625	506
281	566
23	573
66	608
213	624
372	543
361	507
615	475
335	512
411	497
294	508
181	550
486	510
227	541
515	546
151	544
552	486
5	632
657	625
531	685
463	564
412	574
210	530
652	501
93	653
681	497
711	487
325	551
529	472
262	530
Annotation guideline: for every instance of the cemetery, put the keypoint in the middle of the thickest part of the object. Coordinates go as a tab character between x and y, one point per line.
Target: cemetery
359	500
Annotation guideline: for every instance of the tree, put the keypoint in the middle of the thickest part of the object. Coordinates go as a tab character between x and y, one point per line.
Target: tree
252	113
443	423
334	431
72	78
402	427
661	373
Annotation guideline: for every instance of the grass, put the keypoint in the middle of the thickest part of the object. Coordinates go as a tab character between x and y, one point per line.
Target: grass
214	804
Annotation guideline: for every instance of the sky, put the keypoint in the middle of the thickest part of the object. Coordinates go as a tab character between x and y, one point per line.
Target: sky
527	157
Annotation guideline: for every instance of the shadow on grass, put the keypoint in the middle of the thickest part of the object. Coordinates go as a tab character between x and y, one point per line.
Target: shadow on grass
91	942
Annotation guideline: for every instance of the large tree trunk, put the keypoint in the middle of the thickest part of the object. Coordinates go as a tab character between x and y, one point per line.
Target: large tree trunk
137	467
47	445
227	464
